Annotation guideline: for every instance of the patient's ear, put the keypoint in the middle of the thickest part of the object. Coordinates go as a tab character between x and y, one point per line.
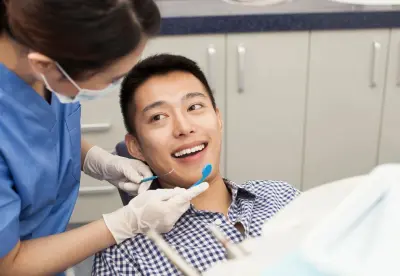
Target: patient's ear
133	147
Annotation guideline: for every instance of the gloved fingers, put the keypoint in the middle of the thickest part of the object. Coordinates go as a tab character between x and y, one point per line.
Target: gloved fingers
188	194
131	173
144	187
129	187
142	169
197	190
162	194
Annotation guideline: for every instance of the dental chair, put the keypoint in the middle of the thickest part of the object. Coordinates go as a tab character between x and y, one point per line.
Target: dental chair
121	150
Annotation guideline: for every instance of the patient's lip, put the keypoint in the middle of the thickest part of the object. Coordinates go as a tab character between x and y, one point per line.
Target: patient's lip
189	146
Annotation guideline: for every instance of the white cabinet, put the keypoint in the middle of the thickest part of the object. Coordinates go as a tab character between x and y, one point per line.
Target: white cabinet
102	122
266	93
346	87
95	198
209	52
102	125
390	131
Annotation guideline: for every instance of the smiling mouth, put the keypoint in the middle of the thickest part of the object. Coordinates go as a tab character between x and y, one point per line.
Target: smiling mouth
190	152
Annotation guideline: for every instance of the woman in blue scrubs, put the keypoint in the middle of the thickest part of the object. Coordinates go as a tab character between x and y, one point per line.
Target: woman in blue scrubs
54	54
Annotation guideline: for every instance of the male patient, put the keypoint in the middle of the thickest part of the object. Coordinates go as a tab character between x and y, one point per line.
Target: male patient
173	123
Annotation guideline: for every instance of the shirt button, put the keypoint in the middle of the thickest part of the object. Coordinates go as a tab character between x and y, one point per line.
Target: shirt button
218	222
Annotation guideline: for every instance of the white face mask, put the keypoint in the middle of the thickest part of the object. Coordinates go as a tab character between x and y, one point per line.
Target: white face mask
83	94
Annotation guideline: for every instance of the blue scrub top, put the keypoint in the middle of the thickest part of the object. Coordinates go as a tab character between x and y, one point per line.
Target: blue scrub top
40	145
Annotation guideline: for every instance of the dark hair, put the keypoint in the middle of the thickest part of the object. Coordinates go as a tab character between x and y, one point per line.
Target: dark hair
156	65
83	36
3	17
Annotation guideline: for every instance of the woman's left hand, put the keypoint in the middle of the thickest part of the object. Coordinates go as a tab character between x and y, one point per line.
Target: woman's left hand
123	173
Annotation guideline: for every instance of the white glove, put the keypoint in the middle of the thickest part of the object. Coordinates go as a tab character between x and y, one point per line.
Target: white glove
155	209
122	172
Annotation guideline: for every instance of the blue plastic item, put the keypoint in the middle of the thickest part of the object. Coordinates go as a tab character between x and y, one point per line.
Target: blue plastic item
205	173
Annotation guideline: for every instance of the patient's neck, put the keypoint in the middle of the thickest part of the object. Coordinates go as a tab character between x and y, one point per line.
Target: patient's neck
217	198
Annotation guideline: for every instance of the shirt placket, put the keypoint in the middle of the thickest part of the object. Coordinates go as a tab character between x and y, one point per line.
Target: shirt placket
241	212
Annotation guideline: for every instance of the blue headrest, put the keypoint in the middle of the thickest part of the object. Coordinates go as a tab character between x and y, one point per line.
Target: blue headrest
122	150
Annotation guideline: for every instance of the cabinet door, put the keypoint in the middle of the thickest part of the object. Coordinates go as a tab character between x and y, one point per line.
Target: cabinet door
104	129
209	53
390	135
266	90
346	84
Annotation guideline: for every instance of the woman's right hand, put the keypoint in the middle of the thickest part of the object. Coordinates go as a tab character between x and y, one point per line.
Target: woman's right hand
155	209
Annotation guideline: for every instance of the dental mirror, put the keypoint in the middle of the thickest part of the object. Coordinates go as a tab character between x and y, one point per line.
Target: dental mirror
205	173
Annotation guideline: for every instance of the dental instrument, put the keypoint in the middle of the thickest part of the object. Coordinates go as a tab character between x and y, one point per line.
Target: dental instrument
171	254
233	251
154	177
205	173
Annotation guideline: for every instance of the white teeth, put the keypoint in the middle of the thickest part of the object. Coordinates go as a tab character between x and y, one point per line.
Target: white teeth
191	150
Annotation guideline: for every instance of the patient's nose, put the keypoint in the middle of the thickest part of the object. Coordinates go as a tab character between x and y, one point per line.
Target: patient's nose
183	126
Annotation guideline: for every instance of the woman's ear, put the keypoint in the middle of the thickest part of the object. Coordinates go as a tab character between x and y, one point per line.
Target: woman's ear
41	64
133	147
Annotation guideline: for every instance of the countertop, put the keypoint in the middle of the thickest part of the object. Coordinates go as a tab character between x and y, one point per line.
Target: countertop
182	17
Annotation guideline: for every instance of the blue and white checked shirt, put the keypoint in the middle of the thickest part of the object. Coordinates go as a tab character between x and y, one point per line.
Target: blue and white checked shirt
252	204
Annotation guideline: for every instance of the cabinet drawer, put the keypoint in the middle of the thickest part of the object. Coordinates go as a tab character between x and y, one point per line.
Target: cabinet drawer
95	198
102	122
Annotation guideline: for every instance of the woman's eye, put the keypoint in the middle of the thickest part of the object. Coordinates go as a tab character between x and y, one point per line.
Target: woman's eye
158	117
195	107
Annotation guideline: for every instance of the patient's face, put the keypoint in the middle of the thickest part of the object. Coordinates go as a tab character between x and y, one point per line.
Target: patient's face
177	128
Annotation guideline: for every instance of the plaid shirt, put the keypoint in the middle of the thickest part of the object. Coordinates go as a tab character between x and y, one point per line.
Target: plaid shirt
252	204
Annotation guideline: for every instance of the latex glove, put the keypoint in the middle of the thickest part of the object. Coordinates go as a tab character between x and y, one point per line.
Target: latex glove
122	172
154	209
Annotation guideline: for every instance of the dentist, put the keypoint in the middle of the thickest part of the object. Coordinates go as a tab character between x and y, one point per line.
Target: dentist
54	54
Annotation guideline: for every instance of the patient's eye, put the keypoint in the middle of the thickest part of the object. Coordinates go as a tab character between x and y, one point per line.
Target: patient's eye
158	117
195	107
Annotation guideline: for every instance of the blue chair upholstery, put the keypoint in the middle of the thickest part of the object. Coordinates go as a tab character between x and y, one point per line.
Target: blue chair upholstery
121	150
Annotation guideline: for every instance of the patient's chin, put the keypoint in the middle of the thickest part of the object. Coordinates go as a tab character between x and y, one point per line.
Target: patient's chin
181	183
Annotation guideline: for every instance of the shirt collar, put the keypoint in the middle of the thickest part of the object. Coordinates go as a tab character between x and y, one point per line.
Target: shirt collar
239	191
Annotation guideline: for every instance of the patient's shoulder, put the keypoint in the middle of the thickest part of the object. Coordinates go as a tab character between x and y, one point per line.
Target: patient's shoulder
267	189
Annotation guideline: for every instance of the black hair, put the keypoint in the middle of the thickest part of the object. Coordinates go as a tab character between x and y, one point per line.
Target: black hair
3	16
83	36
156	65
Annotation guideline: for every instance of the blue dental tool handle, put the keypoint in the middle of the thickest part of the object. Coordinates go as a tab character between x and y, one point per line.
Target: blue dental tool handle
151	178
205	173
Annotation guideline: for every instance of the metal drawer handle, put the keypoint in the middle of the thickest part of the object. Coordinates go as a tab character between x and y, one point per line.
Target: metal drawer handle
97	190
88	128
375	57
211	52
241	50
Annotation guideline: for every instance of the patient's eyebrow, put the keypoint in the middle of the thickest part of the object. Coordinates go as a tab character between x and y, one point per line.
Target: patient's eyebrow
160	103
153	105
193	95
